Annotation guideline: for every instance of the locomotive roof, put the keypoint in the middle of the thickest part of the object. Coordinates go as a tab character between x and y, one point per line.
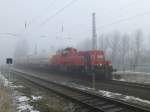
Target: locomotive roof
70	48
91	52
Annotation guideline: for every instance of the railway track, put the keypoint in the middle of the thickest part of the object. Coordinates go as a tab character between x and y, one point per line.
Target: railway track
93	102
127	88
130	84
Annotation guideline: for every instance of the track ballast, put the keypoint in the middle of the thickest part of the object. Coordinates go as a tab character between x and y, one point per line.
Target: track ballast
91	101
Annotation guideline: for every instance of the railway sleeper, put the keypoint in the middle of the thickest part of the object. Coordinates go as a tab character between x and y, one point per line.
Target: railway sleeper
102	106
93	101
116	109
99	103
81	97
108	106
86	99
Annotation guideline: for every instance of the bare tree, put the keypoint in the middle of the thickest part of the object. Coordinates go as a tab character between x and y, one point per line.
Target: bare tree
101	42
22	48
115	40
124	50
137	48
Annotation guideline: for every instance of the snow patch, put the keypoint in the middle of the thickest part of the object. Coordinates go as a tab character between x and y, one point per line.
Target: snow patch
111	94
4	81
36	97
23	104
23	99
123	97
24	107
126	98
78	86
132	76
15	87
120	79
131	72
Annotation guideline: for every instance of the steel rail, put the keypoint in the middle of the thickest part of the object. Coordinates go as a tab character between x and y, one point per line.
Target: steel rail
93	102
132	84
127	88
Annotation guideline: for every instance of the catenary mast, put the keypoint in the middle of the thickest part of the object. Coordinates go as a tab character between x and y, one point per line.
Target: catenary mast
94	36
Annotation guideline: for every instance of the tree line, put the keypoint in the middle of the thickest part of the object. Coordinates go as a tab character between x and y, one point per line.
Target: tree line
126	51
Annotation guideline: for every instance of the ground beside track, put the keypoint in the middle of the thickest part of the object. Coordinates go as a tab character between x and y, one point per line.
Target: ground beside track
132	76
6	99
73	80
29	97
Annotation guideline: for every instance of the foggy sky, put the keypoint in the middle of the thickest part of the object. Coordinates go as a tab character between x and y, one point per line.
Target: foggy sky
75	20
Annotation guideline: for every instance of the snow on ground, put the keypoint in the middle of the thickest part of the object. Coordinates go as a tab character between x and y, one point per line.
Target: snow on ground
112	94
71	84
123	97
4	81
18	86
22	98
131	72
36	97
121	79
126	98
132	76
21	101
23	104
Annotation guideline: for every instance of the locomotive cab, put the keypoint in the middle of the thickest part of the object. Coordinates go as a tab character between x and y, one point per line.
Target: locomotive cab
68	51
95	62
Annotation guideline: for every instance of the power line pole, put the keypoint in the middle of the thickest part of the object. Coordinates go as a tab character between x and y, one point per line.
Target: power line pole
94	45
94	36
35	49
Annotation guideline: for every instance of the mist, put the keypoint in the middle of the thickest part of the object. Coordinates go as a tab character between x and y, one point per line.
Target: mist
49	25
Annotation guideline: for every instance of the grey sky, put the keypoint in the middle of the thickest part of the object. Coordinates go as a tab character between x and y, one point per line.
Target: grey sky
76	20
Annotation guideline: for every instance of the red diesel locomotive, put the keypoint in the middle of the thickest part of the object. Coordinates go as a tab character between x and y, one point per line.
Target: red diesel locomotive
92	61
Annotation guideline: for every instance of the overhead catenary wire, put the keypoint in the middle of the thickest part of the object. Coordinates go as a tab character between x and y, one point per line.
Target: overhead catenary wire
33	20
23	31
125	19
53	16
63	8
69	4
129	5
113	23
104	26
9	34
58	12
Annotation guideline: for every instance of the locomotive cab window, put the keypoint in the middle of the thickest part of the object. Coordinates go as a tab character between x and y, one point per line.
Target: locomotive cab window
65	53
